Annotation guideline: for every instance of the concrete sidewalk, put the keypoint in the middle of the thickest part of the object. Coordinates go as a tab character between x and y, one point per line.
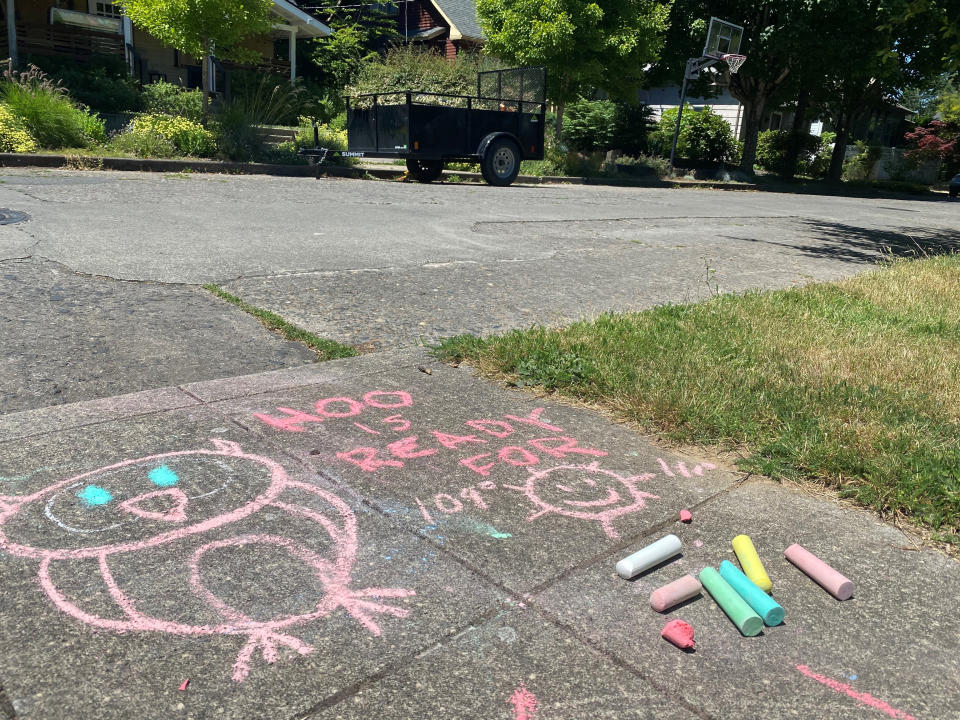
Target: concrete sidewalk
365	539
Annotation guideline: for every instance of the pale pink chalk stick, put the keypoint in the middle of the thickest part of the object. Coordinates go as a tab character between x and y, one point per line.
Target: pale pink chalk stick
824	575
676	592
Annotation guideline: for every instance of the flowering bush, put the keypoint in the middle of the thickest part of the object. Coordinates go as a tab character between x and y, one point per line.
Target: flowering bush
937	140
14	136
165	135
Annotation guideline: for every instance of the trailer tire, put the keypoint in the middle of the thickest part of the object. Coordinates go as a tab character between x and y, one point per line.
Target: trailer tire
425	171
501	162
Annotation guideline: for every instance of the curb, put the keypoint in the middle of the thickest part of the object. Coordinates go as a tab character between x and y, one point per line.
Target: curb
85	162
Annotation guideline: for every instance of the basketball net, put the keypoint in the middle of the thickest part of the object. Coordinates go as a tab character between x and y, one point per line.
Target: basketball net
734	61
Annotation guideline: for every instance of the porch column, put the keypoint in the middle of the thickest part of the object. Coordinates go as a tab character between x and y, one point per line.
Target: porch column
12	30
293	55
128	43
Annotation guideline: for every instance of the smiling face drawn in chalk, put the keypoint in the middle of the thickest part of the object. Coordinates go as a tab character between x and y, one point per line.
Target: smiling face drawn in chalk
586	492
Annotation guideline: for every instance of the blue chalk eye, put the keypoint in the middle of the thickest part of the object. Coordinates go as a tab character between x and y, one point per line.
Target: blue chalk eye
163	476
94	495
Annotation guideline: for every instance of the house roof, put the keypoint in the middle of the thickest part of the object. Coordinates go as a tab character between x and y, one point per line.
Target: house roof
462	18
295	17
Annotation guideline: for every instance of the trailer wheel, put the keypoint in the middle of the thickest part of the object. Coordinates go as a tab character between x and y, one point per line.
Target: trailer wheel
425	171
501	162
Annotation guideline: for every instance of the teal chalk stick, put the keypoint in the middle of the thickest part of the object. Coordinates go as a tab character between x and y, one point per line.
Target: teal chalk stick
736	608
764	605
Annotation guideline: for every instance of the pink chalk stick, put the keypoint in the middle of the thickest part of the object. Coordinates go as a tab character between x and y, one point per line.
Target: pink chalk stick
686	516
676	592
679	633
825	576
183	686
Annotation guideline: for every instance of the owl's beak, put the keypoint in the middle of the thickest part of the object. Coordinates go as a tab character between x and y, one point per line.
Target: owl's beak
169	505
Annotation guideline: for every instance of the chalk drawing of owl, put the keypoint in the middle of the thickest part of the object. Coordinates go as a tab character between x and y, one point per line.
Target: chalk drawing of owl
158	501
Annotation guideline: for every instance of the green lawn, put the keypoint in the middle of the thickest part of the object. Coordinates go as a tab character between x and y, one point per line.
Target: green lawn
855	384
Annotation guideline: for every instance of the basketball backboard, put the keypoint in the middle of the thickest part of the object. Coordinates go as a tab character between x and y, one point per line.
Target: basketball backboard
723	38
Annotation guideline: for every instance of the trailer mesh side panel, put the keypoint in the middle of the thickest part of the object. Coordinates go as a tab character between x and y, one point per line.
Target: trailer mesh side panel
520	87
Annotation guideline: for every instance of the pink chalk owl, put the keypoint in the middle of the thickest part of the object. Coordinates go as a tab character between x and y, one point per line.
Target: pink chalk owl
168	500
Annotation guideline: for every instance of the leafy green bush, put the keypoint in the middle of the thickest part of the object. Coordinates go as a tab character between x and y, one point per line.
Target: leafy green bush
773	147
156	134
170	99
14	136
102	83
860	165
266	99
709	137
411	68
142	144
661	138
590	125
46	111
632	126
820	163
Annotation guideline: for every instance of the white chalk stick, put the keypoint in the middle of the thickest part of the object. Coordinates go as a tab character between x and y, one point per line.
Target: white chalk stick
652	554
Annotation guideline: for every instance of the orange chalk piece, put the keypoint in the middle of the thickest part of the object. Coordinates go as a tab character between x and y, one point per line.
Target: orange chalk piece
679	633
824	575
674	593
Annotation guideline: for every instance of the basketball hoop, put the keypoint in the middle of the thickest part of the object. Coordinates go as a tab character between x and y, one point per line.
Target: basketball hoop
734	61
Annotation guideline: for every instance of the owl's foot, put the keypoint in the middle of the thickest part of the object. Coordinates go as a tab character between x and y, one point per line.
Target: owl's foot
267	641
364	610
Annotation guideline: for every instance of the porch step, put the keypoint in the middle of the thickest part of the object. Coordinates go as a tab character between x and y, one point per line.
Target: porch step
270	135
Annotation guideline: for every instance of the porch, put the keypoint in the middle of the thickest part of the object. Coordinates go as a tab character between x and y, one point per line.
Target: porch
60	40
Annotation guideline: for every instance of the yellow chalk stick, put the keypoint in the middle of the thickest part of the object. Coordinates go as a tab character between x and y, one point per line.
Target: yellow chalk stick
750	562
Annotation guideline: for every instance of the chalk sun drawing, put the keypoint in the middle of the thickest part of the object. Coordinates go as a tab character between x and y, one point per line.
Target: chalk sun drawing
162	517
585	492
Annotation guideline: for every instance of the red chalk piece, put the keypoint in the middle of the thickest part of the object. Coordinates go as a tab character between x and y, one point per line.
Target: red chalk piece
184	685
679	633
824	575
686	516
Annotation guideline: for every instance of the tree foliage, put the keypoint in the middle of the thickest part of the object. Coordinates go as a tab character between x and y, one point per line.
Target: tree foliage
584	44
203	27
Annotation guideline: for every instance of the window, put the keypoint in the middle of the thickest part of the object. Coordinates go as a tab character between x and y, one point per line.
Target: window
105	8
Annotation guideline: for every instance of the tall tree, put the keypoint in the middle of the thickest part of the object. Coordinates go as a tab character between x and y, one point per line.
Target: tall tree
202	28
774	33
867	55
584	44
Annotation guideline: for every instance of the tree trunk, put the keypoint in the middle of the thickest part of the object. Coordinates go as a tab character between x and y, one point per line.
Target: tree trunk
796	135
558	126
205	76
840	148
752	112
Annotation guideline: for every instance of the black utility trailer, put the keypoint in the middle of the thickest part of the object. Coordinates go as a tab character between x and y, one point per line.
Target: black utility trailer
500	127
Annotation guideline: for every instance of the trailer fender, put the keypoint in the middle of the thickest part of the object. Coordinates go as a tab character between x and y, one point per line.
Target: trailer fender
485	143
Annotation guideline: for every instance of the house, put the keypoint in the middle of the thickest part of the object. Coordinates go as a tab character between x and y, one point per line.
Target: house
448	26
661	99
81	28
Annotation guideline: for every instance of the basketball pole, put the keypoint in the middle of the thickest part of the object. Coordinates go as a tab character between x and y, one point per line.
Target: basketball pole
676	130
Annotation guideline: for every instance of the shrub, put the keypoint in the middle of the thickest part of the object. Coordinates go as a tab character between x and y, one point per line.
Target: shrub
46	111
590	125
820	163
860	165
14	136
662	137
158	133
102	83
266	99
411	68
143	144
235	135
632	126
773	147
709	137
170	99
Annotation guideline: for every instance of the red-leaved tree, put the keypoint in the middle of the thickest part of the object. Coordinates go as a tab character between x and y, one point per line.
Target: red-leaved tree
937	140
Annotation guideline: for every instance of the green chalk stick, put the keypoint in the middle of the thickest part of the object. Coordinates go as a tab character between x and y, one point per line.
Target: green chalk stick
764	605
736	608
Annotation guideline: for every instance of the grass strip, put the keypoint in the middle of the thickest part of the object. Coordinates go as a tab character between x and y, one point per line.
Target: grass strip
325	349
855	384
